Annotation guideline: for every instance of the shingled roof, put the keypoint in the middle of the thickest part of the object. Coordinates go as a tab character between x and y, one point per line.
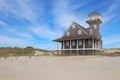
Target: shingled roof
85	34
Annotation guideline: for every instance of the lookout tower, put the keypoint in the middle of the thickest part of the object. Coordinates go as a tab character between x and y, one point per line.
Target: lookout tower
94	20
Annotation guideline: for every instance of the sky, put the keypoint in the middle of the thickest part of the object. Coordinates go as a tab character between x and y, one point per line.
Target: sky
37	22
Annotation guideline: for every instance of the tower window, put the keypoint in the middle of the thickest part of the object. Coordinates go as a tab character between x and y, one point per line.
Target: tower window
95	26
68	33
79	31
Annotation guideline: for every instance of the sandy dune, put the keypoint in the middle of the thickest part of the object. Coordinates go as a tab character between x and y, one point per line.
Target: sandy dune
60	68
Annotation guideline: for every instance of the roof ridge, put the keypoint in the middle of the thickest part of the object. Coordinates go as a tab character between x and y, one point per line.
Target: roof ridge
81	27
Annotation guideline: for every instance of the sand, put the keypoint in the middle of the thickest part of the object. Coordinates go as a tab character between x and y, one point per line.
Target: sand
60	68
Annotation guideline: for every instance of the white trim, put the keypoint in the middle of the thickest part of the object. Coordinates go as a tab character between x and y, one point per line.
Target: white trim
83	49
83	43
93	43
57	45
70	44
77	43
73	26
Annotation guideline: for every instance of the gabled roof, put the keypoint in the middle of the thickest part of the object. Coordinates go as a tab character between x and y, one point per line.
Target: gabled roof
82	28
77	25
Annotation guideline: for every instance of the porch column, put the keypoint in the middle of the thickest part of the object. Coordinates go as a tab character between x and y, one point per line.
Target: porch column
57	45
77	47
83	43
70	44
77	43
93	43
70	47
57	48
63	45
98	44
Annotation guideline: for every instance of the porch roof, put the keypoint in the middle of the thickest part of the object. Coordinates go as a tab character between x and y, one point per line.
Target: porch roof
75	37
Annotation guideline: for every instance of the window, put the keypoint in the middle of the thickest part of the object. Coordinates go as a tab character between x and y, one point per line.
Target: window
73	43
91	31
80	42
95	26
67	43
68	33
73	26
79	31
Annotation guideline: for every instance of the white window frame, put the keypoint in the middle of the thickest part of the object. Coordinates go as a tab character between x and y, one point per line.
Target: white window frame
68	33
95	26
79	32
73	26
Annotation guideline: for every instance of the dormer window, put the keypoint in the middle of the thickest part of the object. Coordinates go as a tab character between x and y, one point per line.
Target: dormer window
73	26
68	33
79	32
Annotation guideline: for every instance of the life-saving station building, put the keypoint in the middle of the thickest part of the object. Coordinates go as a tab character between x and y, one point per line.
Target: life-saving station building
78	40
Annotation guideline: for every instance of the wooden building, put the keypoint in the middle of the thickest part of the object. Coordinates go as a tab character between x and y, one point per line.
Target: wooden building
78	40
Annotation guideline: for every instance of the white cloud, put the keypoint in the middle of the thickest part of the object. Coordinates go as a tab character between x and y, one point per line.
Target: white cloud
64	14
112	11
15	31
3	24
25	35
22	34
112	39
45	32
78	5
21	9
7	41
114	6
107	18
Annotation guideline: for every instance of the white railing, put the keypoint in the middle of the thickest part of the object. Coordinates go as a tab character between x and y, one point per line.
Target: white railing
82	49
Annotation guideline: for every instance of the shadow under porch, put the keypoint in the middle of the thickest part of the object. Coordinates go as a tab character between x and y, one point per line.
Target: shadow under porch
80	52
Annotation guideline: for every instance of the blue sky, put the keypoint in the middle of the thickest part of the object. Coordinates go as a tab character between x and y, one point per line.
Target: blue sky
37	22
